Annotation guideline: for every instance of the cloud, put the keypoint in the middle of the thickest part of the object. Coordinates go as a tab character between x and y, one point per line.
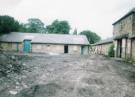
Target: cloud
7	5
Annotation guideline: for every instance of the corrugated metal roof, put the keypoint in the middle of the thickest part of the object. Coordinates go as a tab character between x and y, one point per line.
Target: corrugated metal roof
129	13
108	40
45	38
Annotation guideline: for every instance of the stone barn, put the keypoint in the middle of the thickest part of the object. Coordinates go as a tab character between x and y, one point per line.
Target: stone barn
124	35
44	43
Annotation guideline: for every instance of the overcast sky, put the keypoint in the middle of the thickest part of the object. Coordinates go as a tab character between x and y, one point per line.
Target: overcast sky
94	15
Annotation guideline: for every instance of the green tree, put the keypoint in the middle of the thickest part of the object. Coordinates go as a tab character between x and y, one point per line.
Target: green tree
91	36
59	27
22	28
8	24
34	25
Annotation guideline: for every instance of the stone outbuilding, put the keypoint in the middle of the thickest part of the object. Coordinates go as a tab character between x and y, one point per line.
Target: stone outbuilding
102	47
124	36
44	43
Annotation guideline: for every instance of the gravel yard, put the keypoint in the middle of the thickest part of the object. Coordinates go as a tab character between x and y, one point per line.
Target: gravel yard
44	75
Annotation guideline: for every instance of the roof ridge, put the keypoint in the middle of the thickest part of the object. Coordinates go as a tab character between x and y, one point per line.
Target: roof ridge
46	33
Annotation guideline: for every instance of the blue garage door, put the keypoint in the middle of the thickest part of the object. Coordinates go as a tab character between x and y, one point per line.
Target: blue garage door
27	46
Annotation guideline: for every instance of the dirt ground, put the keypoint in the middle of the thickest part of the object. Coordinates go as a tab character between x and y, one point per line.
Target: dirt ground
55	75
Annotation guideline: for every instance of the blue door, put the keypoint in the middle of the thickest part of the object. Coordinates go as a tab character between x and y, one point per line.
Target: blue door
27	46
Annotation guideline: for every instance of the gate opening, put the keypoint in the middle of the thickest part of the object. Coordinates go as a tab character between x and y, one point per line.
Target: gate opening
66	49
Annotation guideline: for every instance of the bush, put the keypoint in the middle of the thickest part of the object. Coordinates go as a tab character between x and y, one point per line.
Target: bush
111	51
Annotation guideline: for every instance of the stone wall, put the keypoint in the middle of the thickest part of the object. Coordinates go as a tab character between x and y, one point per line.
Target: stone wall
102	48
52	48
47	48
74	49
42	48
123	27
128	49
5	46
124	48
133	49
133	24
8	46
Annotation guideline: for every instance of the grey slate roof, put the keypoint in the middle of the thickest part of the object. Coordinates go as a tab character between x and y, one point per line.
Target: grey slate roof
129	13
45	38
108	40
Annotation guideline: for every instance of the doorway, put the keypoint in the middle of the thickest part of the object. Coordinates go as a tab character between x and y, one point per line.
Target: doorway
119	48
82	50
27	46
65	48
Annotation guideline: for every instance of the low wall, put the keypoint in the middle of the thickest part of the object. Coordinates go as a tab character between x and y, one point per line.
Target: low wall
101	48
